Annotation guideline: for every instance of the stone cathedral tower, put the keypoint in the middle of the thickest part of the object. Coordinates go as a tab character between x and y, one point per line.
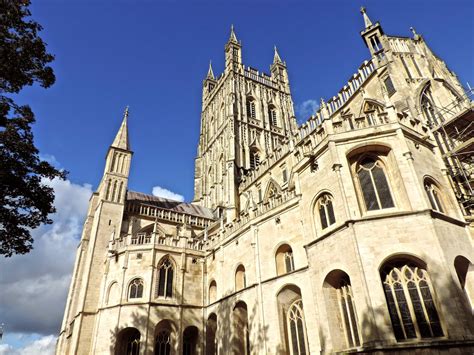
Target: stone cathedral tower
351	233
246	114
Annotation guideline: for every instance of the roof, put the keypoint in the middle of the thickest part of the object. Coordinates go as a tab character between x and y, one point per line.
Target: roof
172	205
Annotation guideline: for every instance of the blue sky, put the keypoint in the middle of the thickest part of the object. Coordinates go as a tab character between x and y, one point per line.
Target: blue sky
153	56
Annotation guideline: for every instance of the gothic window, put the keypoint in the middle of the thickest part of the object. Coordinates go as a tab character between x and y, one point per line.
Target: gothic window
410	301
272	115
212	291
165	279
113	296
190	339
434	196
342	315
211	329
284	259
296	329
371	112
465	272
374	184
251	108
240	281
240	335
326	211
135	290
254	159
163	343
128	342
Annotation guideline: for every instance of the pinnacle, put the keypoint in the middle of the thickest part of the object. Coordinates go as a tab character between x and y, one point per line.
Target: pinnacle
233	37
210	73
276	56
367	21
121	139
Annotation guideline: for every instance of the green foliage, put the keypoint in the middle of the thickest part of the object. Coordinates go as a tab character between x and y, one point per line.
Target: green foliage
25	199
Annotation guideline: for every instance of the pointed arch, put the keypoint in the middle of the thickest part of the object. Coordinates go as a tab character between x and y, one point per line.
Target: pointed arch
367	102
166	270
273	189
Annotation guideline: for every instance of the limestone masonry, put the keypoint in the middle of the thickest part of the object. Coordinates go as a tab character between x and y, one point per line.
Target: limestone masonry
351	233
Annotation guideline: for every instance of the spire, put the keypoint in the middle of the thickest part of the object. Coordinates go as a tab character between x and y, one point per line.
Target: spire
121	139
210	73
276	57
233	37
367	21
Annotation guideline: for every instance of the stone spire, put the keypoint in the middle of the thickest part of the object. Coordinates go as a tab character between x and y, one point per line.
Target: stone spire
121	139
233	37
276	57
210	73
367	21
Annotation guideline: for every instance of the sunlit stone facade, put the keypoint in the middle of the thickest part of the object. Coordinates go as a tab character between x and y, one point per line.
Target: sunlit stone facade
347	234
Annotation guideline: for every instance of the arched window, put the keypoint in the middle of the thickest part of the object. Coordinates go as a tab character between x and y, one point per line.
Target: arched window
292	321
211	329
240	281
135	290
465	271
128	342
374	184
297	329
326	211
342	315
410	301
163	343
284	260
165	278
240	332
212	291
190	338
251	108
254	159
272	115
434	196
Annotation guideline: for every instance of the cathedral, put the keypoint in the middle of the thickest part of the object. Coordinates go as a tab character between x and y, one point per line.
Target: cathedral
349	233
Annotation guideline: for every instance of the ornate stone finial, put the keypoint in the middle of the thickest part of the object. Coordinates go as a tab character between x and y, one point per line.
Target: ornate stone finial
233	37
125	114
276	56
367	21
416	36
210	73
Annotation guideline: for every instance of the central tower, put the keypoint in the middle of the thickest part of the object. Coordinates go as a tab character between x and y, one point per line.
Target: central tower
245	115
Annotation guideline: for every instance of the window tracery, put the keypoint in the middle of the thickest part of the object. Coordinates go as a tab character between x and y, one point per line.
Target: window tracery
410	302
135	288
326	211
165	279
434	196
296	329
374	185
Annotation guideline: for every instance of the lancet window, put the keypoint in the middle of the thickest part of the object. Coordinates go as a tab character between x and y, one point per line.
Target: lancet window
165	278
326	211
135	290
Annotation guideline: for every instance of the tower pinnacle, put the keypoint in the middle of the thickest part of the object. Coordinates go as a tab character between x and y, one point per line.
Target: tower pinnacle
367	21
276	56
210	73
121	139
233	37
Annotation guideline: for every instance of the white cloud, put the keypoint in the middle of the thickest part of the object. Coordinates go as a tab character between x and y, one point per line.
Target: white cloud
162	192
42	346
306	109
50	159
34	286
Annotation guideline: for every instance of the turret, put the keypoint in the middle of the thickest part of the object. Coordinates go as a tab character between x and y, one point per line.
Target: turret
278	69
233	52
372	34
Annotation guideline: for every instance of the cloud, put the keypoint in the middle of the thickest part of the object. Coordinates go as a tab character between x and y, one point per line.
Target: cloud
42	346
34	286
50	159
162	192
306	109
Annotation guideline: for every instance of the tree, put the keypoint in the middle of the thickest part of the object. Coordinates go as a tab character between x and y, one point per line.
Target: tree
25	198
